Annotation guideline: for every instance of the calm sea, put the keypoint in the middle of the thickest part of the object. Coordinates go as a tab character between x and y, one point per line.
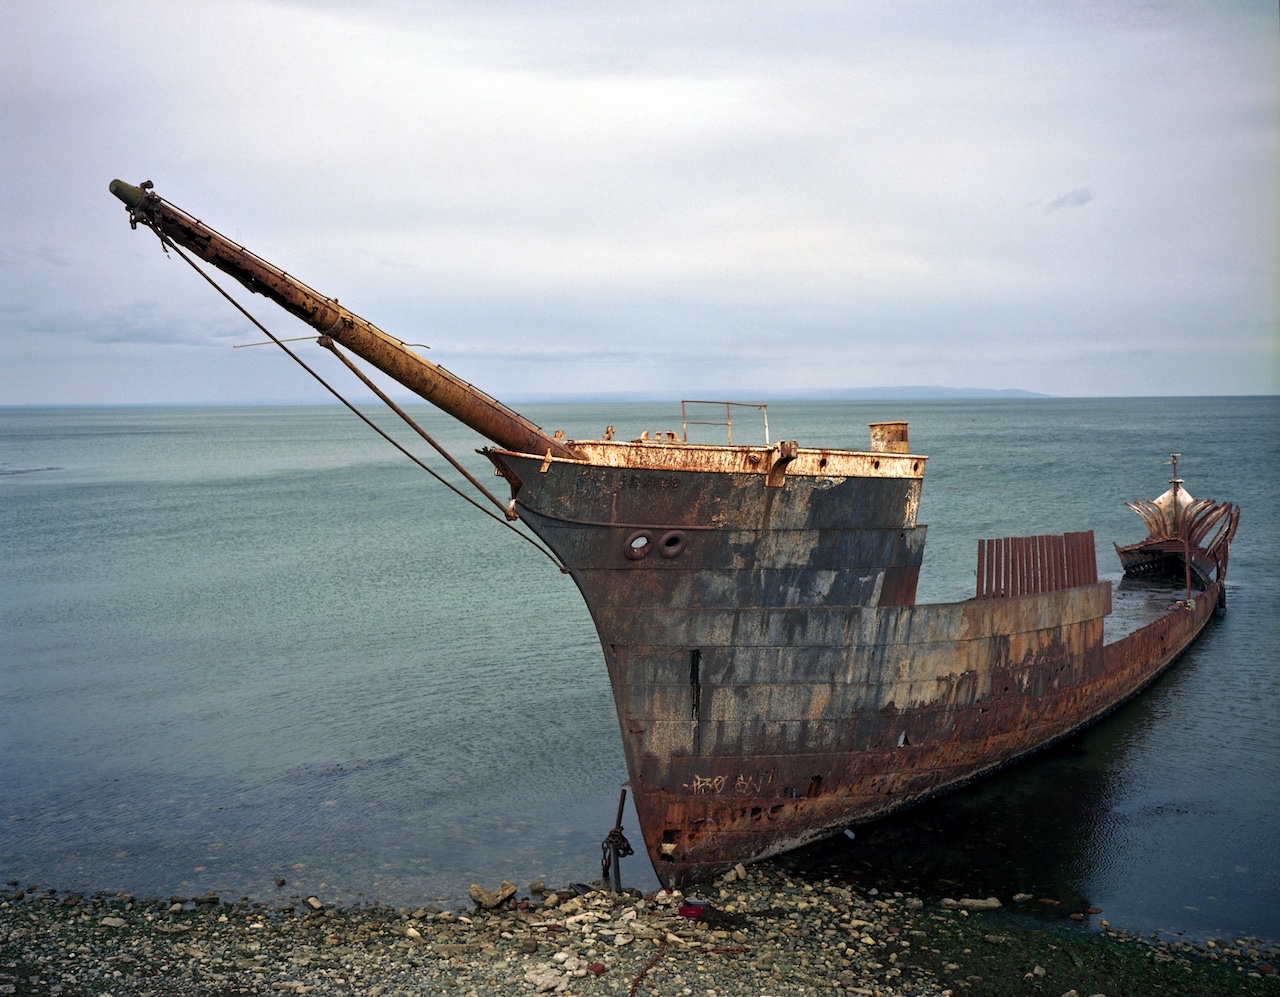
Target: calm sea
239	645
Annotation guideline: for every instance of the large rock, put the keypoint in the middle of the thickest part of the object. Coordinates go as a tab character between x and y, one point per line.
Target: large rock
489	901
546	978
972	903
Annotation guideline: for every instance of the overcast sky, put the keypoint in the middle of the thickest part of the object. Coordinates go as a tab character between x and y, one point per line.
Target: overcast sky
678	199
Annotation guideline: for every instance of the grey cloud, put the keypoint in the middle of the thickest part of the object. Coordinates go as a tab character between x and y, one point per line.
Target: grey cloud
1071	199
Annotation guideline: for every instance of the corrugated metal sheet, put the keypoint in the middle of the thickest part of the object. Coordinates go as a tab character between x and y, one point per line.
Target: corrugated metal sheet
1013	566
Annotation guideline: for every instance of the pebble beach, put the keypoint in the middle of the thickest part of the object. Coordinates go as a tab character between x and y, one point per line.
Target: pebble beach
756	931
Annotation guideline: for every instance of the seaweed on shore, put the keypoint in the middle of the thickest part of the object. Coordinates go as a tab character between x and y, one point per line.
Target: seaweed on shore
994	954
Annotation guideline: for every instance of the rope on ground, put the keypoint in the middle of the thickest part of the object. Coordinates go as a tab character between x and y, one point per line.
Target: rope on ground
635	984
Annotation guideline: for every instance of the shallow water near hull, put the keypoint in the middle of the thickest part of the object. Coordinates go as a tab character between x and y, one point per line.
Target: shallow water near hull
250	645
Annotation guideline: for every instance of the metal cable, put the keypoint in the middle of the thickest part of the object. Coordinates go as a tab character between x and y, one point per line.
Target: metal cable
166	242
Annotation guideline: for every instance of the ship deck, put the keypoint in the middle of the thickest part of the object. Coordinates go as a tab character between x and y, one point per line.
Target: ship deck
1136	602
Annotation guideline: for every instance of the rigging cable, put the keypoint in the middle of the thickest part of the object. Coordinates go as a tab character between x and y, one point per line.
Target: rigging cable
166	242
328	343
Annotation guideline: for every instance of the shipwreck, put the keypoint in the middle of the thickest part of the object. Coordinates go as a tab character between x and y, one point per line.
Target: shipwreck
774	677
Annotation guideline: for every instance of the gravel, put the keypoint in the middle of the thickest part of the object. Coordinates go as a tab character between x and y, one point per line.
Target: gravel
762	932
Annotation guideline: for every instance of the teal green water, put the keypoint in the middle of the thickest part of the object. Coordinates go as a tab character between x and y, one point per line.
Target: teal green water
243	644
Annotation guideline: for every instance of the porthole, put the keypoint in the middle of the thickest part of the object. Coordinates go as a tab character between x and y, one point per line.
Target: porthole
672	543
638	545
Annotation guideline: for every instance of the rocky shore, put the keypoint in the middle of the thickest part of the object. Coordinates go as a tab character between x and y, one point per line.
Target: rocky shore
761	932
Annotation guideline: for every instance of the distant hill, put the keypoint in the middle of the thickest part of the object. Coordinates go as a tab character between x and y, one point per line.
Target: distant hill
929	391
911	391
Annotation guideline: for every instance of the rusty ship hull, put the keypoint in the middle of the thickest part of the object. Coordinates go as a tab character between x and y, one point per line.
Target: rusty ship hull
774	678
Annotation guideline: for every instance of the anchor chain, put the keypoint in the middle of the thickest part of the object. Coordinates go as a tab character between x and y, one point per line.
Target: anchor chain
614	849
615	843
